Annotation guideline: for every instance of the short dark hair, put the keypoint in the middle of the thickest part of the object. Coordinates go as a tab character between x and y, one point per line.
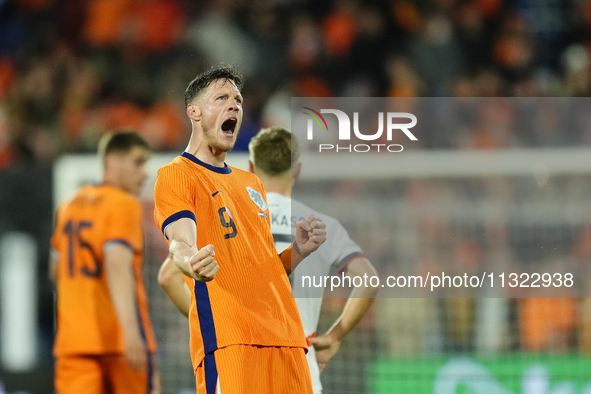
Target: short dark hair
274	150
203	80
121	142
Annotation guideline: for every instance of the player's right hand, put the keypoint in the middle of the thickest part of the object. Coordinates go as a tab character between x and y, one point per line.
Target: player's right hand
204	265
326	346
136	354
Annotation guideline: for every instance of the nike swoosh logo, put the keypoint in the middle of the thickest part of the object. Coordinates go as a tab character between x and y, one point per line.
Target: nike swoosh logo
213	195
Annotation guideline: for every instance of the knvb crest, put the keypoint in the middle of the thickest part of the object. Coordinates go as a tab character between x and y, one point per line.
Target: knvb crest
257	198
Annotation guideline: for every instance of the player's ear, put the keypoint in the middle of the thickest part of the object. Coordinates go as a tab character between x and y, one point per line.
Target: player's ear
194	112
250	167
296	171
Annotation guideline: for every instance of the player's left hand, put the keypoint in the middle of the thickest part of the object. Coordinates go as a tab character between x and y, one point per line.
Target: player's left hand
135	351
326	347
310	234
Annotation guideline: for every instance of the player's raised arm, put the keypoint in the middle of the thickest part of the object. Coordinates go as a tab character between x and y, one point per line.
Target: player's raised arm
197	264
357	305
171	280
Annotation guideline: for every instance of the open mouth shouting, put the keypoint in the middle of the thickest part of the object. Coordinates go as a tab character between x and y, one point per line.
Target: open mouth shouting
229	126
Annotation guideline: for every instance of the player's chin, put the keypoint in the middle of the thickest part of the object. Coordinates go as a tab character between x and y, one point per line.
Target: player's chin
228	139
228	147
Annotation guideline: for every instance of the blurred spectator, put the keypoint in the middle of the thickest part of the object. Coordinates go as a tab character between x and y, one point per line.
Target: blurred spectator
368	51
306	47
217	36
576	63
339	28
265	30
7	77
106	21
436	53
514	50
547	324
402	77
158	24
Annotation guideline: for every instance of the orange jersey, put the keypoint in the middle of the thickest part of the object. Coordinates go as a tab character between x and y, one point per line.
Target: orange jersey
86	319
249	301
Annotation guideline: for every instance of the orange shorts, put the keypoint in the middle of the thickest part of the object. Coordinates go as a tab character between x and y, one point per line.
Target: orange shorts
105	374
241	369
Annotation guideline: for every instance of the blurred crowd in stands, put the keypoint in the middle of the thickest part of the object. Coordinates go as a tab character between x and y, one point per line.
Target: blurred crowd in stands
72	69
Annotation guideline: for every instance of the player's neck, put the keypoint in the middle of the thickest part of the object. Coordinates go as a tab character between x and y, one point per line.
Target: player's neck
216	159
279	187
206	153
113	180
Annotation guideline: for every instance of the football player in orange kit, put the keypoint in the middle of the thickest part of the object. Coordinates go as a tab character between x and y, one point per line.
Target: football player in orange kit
104	341
246	333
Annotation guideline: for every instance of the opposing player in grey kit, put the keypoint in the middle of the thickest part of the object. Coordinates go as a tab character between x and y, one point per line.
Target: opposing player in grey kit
274	155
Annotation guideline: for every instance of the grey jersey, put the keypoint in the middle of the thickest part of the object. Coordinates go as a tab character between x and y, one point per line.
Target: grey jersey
335	253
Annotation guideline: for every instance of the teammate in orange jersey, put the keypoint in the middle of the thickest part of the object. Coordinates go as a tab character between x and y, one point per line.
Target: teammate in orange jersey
246	333
104	341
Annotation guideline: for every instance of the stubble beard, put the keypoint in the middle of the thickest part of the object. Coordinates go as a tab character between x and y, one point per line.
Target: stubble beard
210	134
